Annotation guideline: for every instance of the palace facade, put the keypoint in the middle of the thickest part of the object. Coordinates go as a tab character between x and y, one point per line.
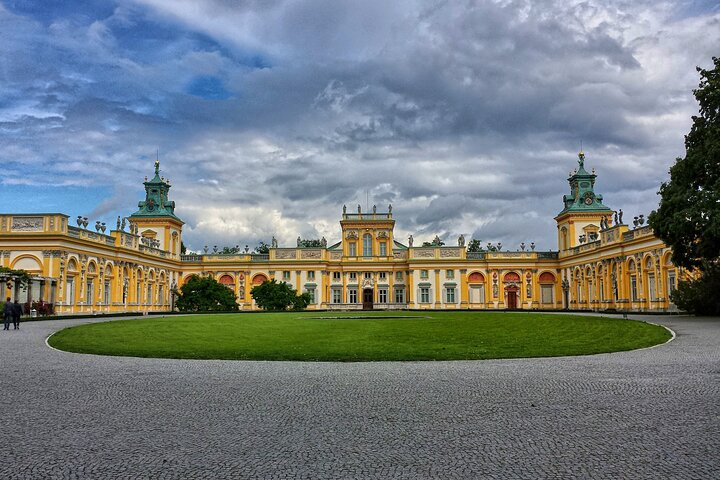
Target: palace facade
601	263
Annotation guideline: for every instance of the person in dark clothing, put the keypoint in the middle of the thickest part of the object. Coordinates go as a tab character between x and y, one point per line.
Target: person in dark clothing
7	314
17	311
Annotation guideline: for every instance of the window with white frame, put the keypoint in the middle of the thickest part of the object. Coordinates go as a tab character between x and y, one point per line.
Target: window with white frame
671	282
311	292
449	273
353	276
399	295
651	286
352	295
336	295
352	249
160	295
311	275
382	295
367	245
107	292
286	275
382	276
70	291
424	295
383	249
336	276
546	293
368	275
423	274
450	295
398	276
633	288
90	288
149	294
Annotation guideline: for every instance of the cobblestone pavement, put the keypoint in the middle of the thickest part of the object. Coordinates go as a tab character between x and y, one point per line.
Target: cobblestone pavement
650	413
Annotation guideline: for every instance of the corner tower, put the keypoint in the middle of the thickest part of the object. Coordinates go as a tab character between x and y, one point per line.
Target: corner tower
156	218
580	219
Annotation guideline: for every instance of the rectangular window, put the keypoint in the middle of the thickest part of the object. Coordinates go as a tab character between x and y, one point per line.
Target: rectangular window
286	275
367	245
311	292
423	274
311	275
352	295
546	293
382	276
450	274
149	298
651	287
89	293
353	276
336	276
336	295
424	295
70	291
160	295
671	282
352	249
368	275
399	295
398	276
382	295
450	295
633	288
138	293
107	293
602	289
383	249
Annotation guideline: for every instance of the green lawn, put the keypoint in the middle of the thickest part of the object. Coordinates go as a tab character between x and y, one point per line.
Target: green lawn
303	336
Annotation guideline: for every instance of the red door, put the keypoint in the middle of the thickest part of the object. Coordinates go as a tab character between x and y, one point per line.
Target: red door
512	298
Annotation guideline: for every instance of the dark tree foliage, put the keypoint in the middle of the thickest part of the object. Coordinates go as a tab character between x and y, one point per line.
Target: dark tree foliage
311	243
205	294
20	276
700	296
278	296
688	218
474	246
262	248
231	250
183	248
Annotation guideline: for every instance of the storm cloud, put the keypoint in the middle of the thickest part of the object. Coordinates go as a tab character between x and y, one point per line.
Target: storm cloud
269	116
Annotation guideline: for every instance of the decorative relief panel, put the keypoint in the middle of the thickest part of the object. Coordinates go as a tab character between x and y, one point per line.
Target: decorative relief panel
335	255
3	224
424	253
352	234
449	253
285	254
399	255
382	234
310	254
27	224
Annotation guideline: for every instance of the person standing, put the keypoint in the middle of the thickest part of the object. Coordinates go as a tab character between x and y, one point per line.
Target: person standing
8	313
17	311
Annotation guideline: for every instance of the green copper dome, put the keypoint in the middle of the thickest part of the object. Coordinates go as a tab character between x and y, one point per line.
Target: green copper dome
582	197
156	202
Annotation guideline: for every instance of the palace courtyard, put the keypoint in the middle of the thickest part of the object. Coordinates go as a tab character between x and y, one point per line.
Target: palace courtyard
651	413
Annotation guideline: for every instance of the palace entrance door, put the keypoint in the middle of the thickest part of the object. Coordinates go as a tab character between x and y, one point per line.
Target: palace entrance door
368	299
512	297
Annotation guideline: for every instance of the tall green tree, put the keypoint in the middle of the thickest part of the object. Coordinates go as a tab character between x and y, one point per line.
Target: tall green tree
278	296
205	294
688	218
474	246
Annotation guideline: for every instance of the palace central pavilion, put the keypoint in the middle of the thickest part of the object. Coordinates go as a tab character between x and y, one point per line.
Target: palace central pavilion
601	263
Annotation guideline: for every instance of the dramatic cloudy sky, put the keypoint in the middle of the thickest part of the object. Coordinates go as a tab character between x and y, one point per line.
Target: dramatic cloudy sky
269	115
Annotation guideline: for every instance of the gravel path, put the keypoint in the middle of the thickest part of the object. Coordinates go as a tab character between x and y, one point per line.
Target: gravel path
650	413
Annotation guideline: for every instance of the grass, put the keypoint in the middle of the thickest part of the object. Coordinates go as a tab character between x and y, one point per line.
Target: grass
305	336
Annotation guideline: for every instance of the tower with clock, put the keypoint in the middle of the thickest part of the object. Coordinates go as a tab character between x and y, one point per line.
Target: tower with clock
156	219
584	213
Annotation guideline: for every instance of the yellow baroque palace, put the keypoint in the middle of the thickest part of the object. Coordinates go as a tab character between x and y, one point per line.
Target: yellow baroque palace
601	263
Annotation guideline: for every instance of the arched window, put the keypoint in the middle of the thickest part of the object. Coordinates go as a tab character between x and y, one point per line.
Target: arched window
367	245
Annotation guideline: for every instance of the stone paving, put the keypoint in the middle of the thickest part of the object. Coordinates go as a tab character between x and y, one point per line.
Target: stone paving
650	413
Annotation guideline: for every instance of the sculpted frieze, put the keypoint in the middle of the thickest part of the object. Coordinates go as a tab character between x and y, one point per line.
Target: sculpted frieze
27	224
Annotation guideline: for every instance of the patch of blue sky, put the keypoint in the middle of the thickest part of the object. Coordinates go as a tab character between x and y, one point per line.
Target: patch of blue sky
48	11
70	200
208	87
